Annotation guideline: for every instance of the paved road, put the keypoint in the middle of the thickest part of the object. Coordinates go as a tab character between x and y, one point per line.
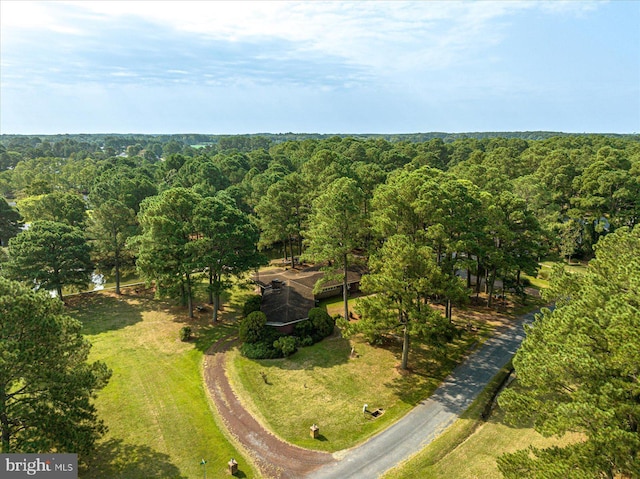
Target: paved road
432	416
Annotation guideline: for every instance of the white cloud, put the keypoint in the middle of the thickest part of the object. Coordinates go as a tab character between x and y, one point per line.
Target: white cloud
382	36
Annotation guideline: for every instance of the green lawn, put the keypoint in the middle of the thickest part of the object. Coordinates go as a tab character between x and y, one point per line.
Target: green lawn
322	384
159	416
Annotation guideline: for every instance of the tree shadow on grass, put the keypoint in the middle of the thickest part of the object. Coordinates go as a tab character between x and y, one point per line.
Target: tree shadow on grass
428	367
101	312
207	334
329	352
116	459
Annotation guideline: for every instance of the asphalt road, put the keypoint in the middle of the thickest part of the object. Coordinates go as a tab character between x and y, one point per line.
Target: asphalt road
432	416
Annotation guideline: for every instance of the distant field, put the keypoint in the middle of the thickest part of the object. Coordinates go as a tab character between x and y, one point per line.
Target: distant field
159	417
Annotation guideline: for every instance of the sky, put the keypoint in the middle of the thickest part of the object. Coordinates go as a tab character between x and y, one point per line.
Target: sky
319	67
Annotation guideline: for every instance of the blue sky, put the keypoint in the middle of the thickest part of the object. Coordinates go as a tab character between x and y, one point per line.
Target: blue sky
326	67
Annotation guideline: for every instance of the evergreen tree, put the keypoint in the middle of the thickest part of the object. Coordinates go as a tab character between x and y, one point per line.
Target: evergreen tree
578	370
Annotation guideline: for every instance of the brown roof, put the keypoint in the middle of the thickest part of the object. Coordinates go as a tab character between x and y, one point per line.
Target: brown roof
294	298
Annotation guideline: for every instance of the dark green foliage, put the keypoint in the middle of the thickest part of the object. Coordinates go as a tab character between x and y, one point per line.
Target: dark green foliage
10	222
251	304
260	350
286	345
51	255
185	333
578	369
265	347
264	342
165	254
110	226
303	329
321	322
253	328
46	383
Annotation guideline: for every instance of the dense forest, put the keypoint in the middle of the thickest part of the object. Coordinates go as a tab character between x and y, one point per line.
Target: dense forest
491	206
465	196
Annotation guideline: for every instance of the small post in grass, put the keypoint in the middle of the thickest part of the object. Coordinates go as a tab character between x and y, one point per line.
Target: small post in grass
203	463
233	467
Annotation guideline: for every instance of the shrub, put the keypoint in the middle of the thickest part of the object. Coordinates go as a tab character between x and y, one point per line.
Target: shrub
185	333
306	341
303	329
260	350
253	327
286	344
323	324
251	304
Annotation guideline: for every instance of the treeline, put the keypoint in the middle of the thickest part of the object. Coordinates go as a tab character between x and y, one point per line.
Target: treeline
13	148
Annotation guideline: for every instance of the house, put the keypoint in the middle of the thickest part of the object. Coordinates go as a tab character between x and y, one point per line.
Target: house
287	295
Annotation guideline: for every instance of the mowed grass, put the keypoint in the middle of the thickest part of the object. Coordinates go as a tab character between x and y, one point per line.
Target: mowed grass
159	415
324	385
469	449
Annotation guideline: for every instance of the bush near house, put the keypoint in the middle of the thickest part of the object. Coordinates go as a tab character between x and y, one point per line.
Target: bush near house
251	305
253	327
262	342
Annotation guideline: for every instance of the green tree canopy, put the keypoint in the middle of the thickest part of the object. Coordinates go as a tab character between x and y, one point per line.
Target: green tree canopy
282	211
63	207
403	277
46	383
110	227
10	222
578	370
336	227
50	255
226	243
164	254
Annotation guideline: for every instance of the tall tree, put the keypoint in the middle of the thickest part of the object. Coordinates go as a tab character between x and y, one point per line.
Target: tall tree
578	370
164	254
335	228
110	227
50	255
226	243
514	239
10	222
46	383
403	277
282	211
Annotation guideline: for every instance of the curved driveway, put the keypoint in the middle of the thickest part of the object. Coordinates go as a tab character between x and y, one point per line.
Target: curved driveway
432	416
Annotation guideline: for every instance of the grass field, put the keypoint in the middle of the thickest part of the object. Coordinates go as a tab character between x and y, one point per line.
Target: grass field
324	385
158	413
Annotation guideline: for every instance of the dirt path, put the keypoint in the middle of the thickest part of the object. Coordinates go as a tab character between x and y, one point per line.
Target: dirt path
274	457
